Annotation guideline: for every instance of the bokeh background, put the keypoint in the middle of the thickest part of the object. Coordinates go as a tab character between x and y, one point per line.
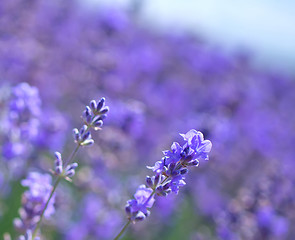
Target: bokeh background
225	68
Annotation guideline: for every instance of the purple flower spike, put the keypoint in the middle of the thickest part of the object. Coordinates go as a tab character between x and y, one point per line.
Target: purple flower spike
142	195
195	141
174	155
137	208
82	137
58	163
170	173
93	116
34	200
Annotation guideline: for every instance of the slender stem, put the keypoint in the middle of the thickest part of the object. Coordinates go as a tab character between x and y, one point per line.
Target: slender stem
69	160
122	231
129	221
42	214
149	198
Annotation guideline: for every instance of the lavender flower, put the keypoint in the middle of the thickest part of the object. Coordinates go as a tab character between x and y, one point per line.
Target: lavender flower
34	200
58	164
38	201
169	173
93	116
195	142
21	126
82	137
25	110
137	209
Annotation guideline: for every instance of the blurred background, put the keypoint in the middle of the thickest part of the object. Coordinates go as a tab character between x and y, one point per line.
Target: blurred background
264	28
222	67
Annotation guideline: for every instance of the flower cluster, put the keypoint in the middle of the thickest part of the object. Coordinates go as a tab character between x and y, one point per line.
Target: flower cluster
69	170
93	118
25	109
39	199
169	173
22	123
34	200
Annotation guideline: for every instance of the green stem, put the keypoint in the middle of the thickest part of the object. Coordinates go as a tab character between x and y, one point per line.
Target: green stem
129	221
72	156
122	231
42	214
69	160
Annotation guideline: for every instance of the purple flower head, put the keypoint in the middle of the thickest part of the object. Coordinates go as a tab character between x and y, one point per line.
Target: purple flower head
158	167
34	200
39	190
142	195
25	110
195	141
195	149
169	172
137	208
83	137
94	115
174	155
58	164
176	183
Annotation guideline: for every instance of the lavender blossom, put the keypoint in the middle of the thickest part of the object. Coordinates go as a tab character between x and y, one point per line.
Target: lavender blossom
82	137
93	116
58	164
69	170
169	173
34	200
43	205
137	209
21	125
25	109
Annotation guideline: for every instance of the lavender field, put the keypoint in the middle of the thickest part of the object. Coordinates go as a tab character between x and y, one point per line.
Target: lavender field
109	125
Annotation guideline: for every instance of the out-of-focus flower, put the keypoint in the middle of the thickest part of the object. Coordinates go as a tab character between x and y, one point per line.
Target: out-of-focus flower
34	200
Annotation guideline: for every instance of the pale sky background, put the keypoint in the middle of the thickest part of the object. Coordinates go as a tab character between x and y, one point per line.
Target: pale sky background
265	27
